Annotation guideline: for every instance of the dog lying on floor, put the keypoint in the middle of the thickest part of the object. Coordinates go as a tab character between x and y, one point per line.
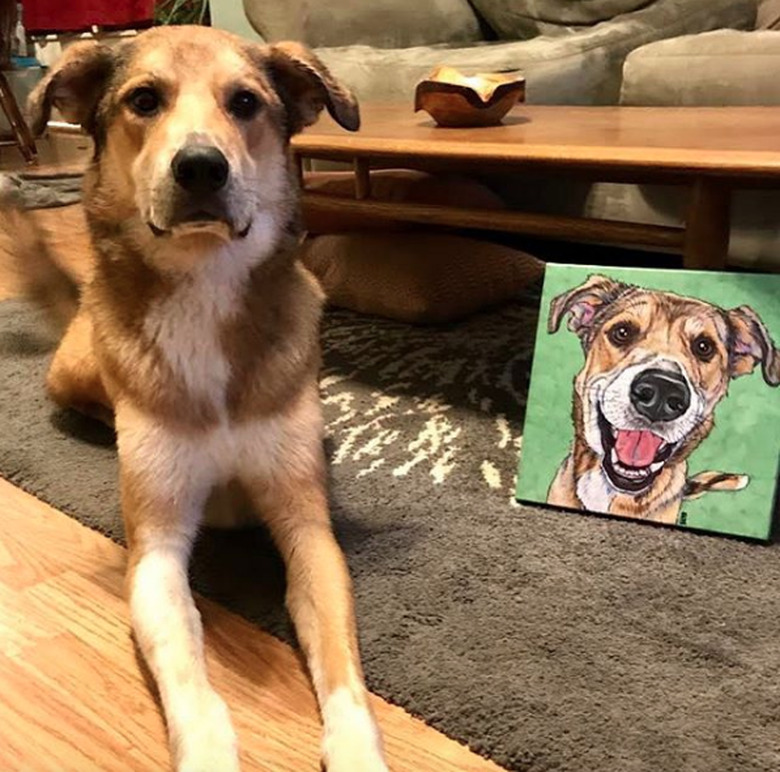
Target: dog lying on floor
197	334
656	367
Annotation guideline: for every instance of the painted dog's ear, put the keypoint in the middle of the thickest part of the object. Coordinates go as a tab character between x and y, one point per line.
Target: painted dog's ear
583	303
750	343
704	482
306	86
74	85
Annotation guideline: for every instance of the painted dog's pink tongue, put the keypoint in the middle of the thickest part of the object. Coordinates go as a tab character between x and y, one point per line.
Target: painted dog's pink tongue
636	448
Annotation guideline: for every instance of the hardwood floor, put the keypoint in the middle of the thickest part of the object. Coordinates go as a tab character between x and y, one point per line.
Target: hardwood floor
73	697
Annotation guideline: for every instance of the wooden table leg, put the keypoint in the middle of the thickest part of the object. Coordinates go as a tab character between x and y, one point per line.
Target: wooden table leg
362	179
708	226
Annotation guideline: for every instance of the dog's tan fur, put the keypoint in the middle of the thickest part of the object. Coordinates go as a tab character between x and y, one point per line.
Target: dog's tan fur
666	324
202	345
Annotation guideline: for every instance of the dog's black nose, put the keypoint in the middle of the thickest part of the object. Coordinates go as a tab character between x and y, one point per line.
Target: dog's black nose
660	395
200	169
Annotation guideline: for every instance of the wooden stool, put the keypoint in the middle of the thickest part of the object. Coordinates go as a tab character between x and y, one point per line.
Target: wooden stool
23	137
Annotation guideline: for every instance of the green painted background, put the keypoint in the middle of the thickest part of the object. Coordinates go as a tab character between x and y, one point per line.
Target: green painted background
746	437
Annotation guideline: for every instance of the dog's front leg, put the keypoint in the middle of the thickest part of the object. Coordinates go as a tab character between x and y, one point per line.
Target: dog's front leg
319	599
162	502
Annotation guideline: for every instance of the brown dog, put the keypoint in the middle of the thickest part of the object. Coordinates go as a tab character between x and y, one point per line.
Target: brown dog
656	366
198	332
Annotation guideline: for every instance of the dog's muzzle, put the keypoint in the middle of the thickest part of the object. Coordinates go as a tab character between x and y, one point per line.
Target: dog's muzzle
644	412
660	395
198	202
633	458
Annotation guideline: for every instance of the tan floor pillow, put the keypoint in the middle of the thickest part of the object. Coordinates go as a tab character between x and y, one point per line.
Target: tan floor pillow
417	277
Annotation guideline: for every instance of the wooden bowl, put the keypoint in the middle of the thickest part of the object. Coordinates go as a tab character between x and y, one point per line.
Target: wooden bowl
453	99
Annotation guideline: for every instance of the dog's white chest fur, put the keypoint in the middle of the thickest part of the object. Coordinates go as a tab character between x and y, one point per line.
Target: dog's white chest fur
174	462
186	326
186	465
594	490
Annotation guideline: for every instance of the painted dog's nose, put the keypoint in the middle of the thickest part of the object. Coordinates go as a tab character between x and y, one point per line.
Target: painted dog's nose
200	169
660	395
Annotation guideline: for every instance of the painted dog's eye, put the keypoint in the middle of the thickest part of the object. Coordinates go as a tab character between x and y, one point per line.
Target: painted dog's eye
144	101
244	105
622	334
703	347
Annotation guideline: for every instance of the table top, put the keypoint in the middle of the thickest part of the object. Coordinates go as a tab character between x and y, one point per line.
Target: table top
714	141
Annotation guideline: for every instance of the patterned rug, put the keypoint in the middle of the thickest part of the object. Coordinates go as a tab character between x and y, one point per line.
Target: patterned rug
546	641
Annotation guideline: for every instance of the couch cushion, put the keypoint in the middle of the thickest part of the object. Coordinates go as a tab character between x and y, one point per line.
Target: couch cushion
582	68
725	67
380	23
522	19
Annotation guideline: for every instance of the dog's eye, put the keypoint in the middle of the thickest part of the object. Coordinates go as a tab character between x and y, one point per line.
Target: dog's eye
244	105
703	347
622	334
144	101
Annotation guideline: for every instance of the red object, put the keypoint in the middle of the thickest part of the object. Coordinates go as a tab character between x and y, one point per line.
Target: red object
79	15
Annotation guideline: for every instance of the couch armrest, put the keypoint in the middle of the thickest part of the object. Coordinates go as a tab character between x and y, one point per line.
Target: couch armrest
230	15
724	67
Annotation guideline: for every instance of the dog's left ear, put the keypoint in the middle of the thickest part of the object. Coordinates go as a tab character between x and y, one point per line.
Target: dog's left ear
750	343
306	86
583	303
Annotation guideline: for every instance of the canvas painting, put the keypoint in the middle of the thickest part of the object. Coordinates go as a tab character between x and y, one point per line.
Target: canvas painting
654	396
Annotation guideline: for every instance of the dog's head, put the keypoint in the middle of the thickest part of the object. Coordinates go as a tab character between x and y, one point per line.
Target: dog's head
656	365
191	125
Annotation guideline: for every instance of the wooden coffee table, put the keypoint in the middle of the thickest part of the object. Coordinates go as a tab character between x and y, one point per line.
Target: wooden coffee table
711	150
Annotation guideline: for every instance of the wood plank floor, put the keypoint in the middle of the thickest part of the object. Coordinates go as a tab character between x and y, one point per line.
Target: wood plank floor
72	695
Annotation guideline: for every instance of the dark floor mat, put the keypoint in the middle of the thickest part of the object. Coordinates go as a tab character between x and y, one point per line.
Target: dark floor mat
546	641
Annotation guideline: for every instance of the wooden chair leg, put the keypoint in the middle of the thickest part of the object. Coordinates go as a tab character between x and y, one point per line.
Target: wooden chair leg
21	130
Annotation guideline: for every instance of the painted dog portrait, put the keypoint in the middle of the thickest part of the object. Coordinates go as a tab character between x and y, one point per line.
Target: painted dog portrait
656	367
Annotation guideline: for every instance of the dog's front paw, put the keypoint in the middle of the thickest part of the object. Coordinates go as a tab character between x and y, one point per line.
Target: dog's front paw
353	752
351	742
206	740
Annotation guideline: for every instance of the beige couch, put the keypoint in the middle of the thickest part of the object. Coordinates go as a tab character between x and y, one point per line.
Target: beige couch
570	52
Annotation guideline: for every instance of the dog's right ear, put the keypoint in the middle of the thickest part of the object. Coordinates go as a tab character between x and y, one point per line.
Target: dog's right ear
583	303
74	86
752	344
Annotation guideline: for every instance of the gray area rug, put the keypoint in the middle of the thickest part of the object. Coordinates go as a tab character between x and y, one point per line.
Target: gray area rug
34	190
546	641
